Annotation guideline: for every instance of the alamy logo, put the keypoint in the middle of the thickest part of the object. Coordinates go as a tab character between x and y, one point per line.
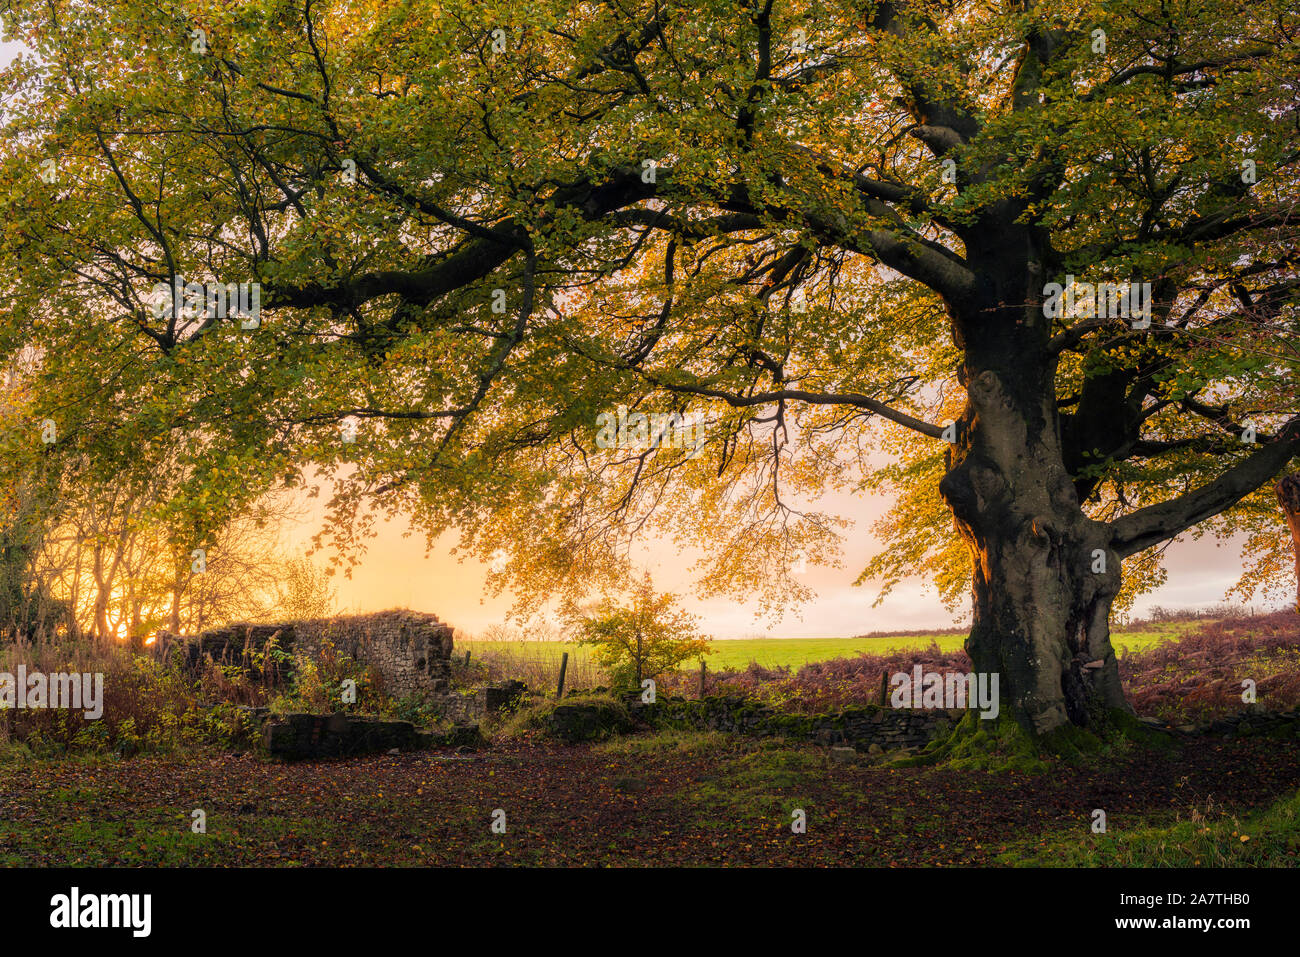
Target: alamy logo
640	431
76	691
102	910
1106	300
952	690
214	300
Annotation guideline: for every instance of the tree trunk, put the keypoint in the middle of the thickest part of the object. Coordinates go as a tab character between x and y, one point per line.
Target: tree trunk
1288	495
1044	574
174	619
638	659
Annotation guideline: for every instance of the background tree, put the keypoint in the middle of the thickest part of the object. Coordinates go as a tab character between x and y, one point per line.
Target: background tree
27	492
477	226
113	560
305	591
644	638
127	570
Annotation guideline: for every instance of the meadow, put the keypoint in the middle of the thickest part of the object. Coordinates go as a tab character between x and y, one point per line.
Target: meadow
794	653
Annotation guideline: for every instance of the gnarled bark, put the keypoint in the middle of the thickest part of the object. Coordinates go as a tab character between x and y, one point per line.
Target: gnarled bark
1044	573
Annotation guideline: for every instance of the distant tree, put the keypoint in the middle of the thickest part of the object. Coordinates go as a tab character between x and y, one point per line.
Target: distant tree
642	639
500	632
532	628
107	554
126	565
27	608
305	591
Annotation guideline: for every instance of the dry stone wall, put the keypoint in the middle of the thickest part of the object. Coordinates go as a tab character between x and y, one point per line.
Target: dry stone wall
863	728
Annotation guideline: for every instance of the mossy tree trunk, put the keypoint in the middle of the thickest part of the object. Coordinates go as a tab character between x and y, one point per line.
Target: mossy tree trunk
1044	573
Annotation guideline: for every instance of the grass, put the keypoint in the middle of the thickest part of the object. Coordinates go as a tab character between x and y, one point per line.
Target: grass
536	663
766	784
1265	838
671	742
1149	636
773	652
668	798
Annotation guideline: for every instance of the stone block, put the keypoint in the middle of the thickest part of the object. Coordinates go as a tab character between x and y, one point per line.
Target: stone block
502	696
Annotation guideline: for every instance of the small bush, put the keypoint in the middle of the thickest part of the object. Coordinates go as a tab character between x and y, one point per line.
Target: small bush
317	686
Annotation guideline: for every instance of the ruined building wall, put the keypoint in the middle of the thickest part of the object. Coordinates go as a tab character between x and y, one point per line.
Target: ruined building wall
409	650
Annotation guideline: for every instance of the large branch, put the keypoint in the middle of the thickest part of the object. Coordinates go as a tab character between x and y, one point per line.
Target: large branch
475	259
1169	69
813	398
900	248
1157	523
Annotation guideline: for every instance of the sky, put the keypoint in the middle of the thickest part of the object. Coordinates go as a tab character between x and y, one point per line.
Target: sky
396	572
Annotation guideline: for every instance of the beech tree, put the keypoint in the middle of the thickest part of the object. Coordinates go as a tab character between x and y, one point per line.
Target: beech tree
827	227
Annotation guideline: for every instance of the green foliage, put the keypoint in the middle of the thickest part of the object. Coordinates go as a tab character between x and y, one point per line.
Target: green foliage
305	592
642	639
798	245
318	685
148	707
224	725
415	708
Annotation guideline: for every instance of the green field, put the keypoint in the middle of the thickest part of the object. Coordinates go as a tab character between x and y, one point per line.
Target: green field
796	652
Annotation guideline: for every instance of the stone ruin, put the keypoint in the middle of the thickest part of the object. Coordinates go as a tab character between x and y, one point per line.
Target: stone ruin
410	651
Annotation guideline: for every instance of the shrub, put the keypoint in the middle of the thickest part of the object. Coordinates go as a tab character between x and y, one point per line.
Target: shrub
317	686
643	639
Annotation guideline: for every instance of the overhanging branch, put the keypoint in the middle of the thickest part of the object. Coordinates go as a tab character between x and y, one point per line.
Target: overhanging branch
1157	523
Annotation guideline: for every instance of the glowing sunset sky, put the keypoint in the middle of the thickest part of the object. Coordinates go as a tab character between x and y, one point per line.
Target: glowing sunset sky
395	572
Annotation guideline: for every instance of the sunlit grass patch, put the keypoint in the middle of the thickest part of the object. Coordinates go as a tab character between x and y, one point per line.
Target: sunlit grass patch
768	783
1265	838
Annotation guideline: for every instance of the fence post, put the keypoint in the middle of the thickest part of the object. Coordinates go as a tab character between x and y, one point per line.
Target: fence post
564	664
884	687
467	659
703	670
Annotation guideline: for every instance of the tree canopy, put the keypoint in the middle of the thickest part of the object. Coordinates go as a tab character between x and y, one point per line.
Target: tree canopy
477	226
